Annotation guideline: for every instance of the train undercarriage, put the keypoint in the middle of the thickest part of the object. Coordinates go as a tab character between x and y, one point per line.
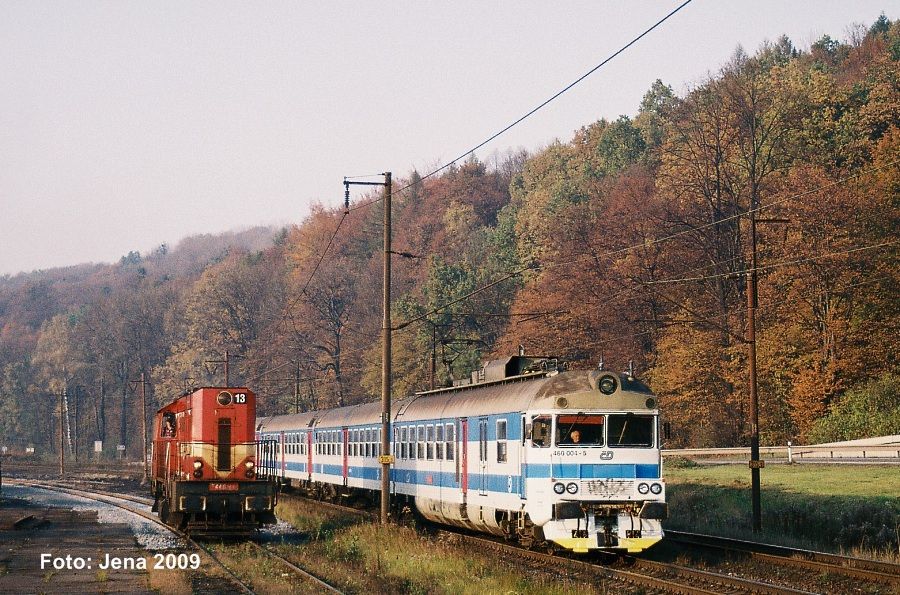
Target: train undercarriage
576	526
220	507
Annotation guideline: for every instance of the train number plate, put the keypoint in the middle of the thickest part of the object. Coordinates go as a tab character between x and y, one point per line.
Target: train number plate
223	487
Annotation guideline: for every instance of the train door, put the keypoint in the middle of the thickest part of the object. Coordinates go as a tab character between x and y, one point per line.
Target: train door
309	455
281	452
344	451
482	456
523	459
464	456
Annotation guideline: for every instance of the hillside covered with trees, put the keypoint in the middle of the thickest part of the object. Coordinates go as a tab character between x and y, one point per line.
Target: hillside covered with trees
627	242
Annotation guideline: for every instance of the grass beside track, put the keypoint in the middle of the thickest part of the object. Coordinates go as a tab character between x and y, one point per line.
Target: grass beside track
358	556
841	508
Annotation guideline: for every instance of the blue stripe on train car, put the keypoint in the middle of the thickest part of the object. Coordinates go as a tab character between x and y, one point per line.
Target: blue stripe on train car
605	471
507	484
299	467
513	426
362	472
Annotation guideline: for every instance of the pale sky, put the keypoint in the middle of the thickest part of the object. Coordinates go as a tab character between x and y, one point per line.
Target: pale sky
127	124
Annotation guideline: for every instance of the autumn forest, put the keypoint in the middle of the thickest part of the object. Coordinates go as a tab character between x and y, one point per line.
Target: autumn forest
627	243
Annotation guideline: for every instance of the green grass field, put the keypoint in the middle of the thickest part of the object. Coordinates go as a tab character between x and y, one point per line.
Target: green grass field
849	508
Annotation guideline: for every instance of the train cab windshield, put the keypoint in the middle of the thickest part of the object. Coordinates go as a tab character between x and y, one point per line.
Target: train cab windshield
579	430
630	431
617	430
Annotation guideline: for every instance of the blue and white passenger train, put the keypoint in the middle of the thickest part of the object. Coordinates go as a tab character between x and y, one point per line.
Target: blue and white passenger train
528	451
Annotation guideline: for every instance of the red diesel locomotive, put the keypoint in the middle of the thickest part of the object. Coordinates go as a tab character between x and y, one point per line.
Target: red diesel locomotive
208	471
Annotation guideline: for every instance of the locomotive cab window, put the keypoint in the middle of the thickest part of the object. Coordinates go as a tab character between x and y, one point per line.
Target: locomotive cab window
540	431
167	429
630	431
579	430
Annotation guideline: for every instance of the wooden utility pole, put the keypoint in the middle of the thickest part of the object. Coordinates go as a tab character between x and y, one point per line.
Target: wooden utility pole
221	361
755	462
297	388
752	304
62	449
75	426
143	383
386	459
144	425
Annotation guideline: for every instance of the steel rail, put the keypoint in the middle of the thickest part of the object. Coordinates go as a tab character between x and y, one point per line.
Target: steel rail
111	499
714	582
718	581
751	585
874	570
297	569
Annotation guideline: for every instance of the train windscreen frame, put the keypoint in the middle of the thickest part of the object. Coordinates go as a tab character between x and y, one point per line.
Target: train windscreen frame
627	430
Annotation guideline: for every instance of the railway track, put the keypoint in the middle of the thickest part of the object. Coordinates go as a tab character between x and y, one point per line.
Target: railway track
857	568
117	500
657	576
806	576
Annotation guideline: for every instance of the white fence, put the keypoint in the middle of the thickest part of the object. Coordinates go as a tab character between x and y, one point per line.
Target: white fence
885	449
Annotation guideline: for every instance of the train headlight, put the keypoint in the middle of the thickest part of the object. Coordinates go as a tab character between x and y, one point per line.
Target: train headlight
607	385
249	474
656	488
249	464
198	464
643	488
559	488
572	487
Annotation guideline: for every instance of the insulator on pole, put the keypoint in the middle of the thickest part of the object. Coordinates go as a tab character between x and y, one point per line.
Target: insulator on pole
346	197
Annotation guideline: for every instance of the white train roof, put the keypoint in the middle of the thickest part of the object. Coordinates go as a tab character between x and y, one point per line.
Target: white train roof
554	390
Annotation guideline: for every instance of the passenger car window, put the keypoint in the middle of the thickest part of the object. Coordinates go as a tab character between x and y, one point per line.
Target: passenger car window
501	440
451	442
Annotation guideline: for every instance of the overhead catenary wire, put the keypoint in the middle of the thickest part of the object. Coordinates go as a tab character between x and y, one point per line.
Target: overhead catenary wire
624	291
535	109
498	133
647	243
773	266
